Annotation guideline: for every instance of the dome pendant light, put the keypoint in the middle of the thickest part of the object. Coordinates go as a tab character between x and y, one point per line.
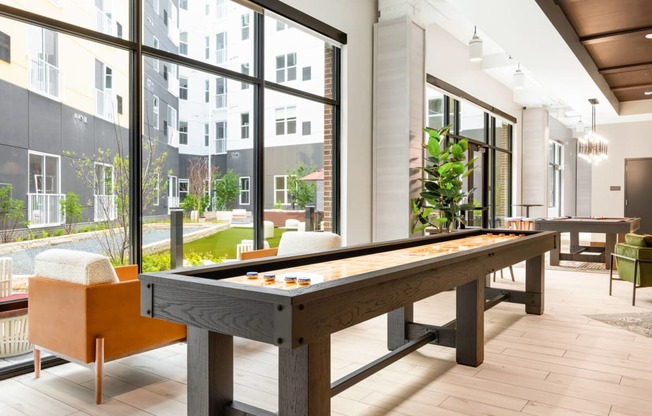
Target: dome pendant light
475	47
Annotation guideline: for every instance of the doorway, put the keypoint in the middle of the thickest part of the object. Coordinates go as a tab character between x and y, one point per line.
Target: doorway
638	191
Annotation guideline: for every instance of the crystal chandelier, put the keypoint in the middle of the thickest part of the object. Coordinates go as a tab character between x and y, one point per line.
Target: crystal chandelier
592	147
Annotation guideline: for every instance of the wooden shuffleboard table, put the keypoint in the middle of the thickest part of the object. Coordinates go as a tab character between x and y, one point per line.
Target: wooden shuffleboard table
347	286
611	227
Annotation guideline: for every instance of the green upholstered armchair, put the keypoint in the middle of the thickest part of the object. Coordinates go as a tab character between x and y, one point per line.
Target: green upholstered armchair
634	261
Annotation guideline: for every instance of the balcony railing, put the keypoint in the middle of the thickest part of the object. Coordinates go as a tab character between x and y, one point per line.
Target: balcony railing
104	104
44	209
44	77
104	22
104	208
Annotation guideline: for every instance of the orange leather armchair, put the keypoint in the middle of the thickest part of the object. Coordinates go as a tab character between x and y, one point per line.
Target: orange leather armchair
96	323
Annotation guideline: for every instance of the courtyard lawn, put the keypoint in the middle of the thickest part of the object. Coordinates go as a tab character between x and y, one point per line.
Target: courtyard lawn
223	243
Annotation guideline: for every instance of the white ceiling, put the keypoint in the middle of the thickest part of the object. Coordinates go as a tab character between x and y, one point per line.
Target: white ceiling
554	76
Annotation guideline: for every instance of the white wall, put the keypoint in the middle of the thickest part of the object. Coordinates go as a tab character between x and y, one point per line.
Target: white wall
626	140
356	19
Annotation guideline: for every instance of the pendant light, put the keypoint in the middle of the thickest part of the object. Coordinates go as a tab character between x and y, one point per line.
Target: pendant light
592	147
519	78
475	47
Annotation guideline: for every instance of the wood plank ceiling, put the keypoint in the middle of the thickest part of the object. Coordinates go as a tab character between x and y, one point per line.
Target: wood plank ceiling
614	34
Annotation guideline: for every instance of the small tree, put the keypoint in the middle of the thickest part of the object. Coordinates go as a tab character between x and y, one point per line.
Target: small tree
198	176
72	209
301	192
11	214
226	189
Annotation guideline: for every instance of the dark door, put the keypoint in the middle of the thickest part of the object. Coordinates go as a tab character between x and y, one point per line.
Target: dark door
638	191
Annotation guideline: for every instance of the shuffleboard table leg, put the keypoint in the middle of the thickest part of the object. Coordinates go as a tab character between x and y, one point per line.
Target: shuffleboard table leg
535	283
210	372
304	377
469	343
396	331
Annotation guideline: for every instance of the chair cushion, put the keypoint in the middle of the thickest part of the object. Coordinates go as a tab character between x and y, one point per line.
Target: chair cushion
74	266
635	240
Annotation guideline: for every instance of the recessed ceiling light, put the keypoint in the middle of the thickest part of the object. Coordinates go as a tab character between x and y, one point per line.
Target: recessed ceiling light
648	93
648	36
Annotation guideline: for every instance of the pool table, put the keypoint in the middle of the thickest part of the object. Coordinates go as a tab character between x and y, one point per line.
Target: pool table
611	227
347	286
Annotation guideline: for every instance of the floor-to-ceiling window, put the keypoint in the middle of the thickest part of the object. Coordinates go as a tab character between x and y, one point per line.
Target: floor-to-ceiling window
98	133
490	137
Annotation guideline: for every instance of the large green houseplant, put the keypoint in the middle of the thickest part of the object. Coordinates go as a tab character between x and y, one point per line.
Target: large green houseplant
442	199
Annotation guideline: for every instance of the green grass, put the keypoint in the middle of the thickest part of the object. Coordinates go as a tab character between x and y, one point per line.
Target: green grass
223	243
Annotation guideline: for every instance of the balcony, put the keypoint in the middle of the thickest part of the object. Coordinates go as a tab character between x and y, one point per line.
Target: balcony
44	77
44	210
104	208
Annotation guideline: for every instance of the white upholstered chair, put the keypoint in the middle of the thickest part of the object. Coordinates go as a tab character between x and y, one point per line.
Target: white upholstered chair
308	242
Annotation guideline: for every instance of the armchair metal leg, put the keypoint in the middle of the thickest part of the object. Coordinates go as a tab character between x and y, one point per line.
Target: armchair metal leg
99	369
611	273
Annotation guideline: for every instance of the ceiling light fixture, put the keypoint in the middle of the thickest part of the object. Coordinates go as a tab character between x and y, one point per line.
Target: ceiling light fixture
519	78
592	148
475	47
579	127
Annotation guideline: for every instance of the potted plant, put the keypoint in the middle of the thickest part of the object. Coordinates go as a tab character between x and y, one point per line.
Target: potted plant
443	198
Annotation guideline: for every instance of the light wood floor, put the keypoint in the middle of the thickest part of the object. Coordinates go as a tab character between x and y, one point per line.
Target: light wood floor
561	363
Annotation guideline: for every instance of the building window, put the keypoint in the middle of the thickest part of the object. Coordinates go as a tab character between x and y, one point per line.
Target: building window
436	112
165	72
220	93
207	91
220	137
183	4
307	73
44	76
43	196
220	8
118	100
172	127
245	26
207	9
220	48
207	134
280	26
245	190
104	203
244	125
286	120
207	48
155	112
5	47
184	184
306	128
183	88
244	68
183	43
280	190
155	62
286	67
103	90
183	132
156	6
104	19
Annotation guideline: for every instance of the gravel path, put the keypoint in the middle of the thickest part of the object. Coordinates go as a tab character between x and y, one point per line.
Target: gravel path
23	259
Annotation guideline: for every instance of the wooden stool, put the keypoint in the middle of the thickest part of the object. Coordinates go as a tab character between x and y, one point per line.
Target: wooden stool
513	223
527	224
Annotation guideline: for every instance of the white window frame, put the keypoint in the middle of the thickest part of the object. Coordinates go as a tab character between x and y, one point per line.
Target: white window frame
43	199
245	20
285	117
245	193
44	72
183	4
207	47
207	134
183	134
184	193
245	126
284	190
244	68
220	140
104	204
220	96
173	126
207	91
156	6
155	111
220	52
183	43
183	87
155	62
284	71
220	9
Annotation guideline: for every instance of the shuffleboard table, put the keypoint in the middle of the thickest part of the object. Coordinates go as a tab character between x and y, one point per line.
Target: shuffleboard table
347	286
611	227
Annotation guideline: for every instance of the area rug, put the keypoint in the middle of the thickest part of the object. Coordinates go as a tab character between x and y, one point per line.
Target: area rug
579	266
638	323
